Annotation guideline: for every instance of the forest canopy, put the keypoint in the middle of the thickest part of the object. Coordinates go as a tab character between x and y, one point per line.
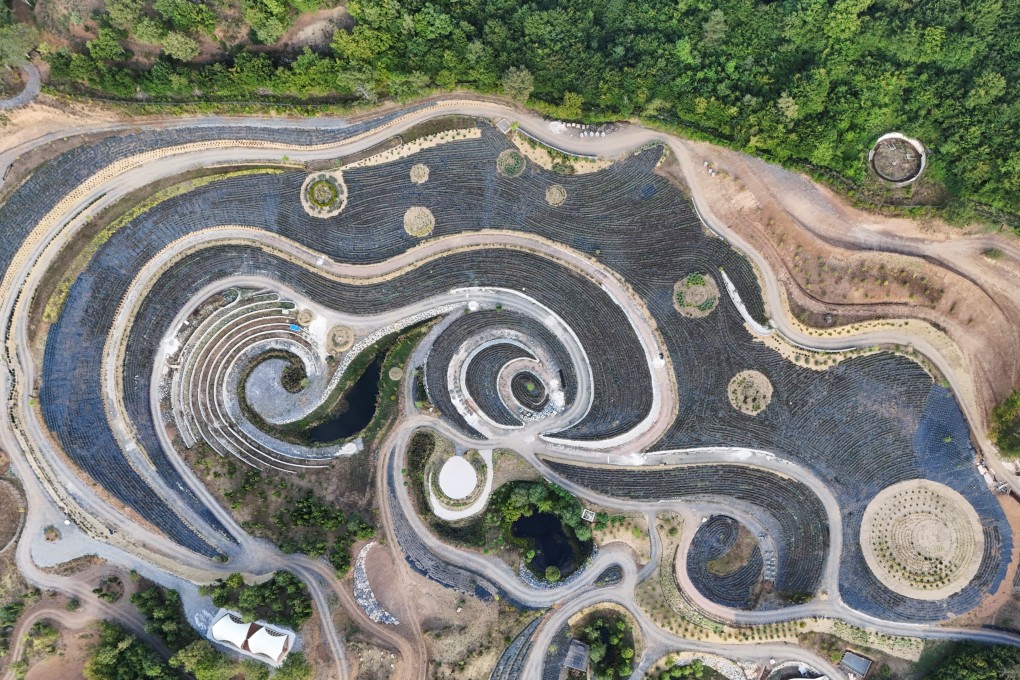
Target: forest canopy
810	83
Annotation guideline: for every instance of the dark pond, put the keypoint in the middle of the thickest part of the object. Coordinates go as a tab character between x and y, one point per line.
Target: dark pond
360	401
553	546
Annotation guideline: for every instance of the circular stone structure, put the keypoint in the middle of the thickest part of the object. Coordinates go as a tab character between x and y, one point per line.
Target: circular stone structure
324	194
457	478
419	222
696	295
555	195
419	173
305	317
510	163
897	159
396	373
922	539
750	392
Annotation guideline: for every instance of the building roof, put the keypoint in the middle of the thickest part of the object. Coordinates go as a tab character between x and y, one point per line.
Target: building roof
268	642
577	656
231	629
855	663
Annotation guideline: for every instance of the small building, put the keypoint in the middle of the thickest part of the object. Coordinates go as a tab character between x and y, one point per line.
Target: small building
577	656
587	515
855	664
258	640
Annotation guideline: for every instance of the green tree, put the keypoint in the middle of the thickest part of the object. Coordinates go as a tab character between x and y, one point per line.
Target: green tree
124	13
106	46
552	573
16	41
518	83
149	31
294	667
118	655
187	15
1005	428
180	46
203	661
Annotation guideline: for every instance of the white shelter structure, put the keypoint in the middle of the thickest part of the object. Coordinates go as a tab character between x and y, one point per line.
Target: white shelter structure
258	640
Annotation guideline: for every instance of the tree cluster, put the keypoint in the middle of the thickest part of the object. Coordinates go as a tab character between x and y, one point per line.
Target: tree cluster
118	655
811	83
970	661
283	599
1006	425
694	670
610	645
164	615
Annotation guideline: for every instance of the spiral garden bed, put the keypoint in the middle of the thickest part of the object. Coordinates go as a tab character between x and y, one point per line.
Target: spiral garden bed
696	295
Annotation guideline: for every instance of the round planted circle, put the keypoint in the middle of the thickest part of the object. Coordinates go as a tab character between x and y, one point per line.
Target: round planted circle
510	163
922	539
457	478
555	195
696	295
419	173
419	222
749	392
324	194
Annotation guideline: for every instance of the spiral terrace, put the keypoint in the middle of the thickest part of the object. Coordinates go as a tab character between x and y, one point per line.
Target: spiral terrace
543	316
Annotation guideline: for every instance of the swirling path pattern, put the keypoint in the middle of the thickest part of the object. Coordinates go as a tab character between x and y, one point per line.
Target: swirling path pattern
577	296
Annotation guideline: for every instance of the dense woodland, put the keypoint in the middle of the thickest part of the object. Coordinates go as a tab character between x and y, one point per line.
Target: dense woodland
810	83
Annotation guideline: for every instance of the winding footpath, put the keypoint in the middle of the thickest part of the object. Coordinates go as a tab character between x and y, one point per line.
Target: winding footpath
54	491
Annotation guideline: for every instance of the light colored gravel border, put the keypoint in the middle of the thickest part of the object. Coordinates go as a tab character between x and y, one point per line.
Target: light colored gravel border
949	525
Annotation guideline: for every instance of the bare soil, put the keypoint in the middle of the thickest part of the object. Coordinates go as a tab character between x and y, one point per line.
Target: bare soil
831	261
74	650
11	505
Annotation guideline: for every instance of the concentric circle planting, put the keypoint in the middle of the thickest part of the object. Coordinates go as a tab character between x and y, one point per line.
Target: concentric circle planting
510	163
555	195
696	295
324	194
922	539
419	222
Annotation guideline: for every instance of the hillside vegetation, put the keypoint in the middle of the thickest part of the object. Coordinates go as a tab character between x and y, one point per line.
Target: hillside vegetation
810	83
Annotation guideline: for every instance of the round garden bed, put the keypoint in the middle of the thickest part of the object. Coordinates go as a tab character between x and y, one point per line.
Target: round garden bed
922	539
555	195
750	392
419	173
510	163
419	222
324	194
897	159
696	295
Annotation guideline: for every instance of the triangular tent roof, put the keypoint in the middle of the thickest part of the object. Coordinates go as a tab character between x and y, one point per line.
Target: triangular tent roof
231	629
268	642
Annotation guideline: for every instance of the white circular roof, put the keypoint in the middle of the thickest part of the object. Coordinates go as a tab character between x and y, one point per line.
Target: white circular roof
457	478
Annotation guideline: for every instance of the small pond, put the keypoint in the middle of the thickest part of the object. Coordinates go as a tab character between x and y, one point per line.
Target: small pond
553	546
356	408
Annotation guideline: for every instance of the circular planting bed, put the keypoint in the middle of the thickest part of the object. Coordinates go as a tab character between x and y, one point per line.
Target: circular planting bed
510	163
419	222
696	295
749	392
341	339
305	317
555	195
396	373
324	194
457	478
922	539
529	391
419	173
897	159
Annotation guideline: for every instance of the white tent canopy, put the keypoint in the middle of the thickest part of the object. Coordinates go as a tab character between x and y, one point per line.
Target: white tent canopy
232	630
268	642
